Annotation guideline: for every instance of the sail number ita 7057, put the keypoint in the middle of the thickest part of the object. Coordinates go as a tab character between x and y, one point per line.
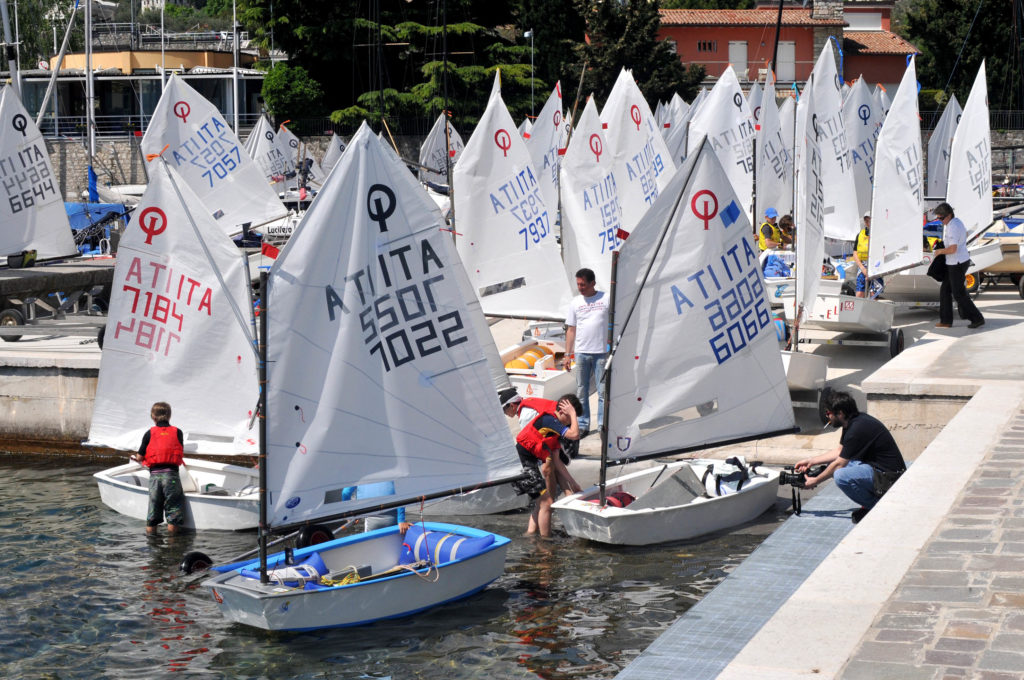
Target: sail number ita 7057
401	313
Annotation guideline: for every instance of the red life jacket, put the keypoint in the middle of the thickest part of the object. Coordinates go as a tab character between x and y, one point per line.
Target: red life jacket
543	442
164	447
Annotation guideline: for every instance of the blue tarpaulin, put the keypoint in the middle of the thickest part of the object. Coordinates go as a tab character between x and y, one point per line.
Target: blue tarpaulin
84	215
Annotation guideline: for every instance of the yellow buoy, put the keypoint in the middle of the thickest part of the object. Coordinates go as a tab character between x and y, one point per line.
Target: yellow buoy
544	348
518	363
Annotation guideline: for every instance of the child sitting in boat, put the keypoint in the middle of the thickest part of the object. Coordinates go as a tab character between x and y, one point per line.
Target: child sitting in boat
162	451
543	425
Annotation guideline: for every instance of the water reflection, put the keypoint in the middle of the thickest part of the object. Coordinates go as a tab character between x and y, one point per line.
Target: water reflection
86	594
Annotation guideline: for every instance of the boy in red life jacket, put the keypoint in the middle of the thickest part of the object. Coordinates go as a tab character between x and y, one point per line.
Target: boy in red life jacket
161	451
543	424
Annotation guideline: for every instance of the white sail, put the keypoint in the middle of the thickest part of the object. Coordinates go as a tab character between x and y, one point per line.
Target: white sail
642	161
591	210
375	374
863	121
270	157
698	361
437	151
969	189
680	114
724	118
810	198
774	158
898	203
787	125
939	145
754	99
209	157
300	154
882	99
504	229
335	147
32	216
178	328
524	128
842	221
543	145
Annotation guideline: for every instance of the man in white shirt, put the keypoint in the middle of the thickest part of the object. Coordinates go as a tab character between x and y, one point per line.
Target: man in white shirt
586	337
954	240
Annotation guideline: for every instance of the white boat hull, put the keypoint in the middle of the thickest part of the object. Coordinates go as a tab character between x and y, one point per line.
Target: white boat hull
914	284
274	606
805	371
489	501
217	495
582	517
845	313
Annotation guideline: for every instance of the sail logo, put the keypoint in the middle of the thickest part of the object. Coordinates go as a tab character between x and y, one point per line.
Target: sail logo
596	146
376	209
20	123
182	110
504	141
153	222
708	211
623	443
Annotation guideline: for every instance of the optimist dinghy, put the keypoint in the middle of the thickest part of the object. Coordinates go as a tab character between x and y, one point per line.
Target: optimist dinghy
179	330
694	364
375	374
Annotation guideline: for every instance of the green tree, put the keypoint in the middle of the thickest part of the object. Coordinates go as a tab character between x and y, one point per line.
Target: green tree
625	33
954	36
557	28
290	92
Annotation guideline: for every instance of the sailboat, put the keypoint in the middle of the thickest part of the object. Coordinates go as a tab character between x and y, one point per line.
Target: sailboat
179	331
688	271
301	156
373	374
32	212
438	151
335	148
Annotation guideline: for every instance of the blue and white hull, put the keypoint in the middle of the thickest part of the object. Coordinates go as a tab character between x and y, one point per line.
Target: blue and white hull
462	561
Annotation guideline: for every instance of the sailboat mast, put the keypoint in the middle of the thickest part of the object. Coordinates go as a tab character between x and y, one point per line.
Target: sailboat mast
234	69
56	71
90	105
262	539
11	49
608	377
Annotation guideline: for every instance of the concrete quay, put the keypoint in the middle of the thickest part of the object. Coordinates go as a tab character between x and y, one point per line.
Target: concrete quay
931	583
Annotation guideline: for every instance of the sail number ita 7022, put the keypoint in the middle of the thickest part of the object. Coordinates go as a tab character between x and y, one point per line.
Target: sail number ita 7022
401	311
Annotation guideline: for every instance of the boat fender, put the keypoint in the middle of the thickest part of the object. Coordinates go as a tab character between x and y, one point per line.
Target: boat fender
195	561
312	534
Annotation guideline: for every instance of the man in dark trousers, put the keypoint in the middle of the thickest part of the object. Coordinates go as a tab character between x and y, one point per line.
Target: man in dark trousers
867	461
954	239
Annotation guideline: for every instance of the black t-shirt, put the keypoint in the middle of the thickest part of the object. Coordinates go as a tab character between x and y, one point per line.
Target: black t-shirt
866	439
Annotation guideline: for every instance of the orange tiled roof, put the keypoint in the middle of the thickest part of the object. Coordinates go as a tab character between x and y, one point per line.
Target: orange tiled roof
875	42
742	17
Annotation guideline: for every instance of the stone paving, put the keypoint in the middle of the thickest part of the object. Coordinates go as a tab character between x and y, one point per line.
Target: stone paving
959	610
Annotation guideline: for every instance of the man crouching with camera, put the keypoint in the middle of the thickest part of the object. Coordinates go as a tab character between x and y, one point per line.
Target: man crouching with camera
867	461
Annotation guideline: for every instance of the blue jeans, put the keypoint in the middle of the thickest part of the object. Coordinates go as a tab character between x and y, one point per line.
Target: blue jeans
857	481
590	366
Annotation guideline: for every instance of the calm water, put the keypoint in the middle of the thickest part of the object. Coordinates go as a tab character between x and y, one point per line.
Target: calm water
85	594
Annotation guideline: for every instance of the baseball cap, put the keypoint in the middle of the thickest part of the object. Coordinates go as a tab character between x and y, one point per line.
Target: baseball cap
867	214
771	212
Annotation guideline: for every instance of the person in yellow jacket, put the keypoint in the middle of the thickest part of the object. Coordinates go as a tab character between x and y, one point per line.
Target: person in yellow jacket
769	236
860	256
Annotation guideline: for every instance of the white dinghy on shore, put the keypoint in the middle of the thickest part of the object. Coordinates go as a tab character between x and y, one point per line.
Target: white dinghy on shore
694	364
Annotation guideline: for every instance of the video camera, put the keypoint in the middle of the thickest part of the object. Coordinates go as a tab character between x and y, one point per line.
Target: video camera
797	479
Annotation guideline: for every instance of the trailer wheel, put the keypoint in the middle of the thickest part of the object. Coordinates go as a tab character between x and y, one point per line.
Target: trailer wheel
1015	279
896	341
313	534
11	317
1020	288
972	282
195	561
99	336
